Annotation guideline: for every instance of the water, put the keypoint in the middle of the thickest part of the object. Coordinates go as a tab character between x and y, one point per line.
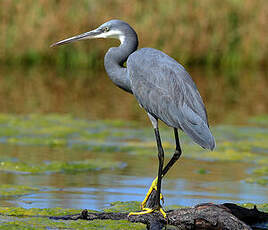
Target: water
223	182
229	97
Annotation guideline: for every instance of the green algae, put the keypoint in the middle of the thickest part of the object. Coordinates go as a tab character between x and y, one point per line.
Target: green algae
120	123
202	171
57	130
56	167
259	176
263	171
119	206
34	218
17	211
257	180
48	141
263	161
42	223
261	207
130	206
7	190
63	131
74	139
228	155
66	131
260	120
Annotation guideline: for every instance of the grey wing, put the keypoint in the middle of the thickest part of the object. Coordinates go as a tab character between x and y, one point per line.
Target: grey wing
164	89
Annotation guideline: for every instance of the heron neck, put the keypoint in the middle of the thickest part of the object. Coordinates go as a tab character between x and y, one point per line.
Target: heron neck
115	59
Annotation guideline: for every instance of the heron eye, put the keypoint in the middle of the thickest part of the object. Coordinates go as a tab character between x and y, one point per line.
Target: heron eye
106	29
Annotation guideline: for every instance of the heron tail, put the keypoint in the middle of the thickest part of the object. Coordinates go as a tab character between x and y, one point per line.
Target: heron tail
200	134
197	129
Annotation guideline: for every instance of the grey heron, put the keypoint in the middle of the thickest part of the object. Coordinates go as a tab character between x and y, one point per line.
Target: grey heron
161	86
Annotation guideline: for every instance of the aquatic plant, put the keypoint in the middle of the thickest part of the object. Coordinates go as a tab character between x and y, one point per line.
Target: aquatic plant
7	190
56	167
13	218
38	218
69	136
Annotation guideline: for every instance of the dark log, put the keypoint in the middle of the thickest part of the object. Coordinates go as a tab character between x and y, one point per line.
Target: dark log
249	216
204	216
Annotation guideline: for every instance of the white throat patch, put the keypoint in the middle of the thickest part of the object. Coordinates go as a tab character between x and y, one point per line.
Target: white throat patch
113	34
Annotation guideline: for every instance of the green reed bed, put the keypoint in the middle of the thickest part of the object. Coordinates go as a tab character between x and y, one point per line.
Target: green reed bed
229	33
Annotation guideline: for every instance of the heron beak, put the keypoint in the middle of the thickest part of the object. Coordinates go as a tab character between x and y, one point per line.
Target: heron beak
88	35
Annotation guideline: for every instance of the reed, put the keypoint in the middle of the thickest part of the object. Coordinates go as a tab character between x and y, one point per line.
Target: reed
227	33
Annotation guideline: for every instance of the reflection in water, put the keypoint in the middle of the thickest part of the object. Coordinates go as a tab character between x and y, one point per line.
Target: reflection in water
95	190
229	97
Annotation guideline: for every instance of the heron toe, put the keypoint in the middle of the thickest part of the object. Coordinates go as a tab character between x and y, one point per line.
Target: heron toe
153	187
149	210
146	210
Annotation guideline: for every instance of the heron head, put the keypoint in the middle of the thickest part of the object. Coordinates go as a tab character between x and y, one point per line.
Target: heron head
112	29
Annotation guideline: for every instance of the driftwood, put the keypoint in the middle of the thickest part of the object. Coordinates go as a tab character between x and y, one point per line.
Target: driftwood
204	216
207	216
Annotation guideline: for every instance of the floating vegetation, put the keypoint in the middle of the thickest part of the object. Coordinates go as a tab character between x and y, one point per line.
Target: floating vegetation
258	180
263	171
259	120
259	176
227	155
17	211
35	218
43	223
47	141
202	171
7	190
119	206
261	207
67	133
56	167
57	130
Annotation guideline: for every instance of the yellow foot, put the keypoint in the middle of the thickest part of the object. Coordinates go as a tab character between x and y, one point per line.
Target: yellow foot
148	210
143	204
153	187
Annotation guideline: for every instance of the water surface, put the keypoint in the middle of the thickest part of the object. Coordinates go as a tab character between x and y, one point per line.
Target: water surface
229	174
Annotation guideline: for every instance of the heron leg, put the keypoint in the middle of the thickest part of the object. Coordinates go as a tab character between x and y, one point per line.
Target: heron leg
160	165
156	185
175	156
150	198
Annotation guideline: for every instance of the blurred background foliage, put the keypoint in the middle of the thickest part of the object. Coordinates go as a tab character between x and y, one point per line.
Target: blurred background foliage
229	33
224	40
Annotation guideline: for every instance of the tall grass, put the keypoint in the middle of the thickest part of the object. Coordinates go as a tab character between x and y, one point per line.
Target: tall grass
227	33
